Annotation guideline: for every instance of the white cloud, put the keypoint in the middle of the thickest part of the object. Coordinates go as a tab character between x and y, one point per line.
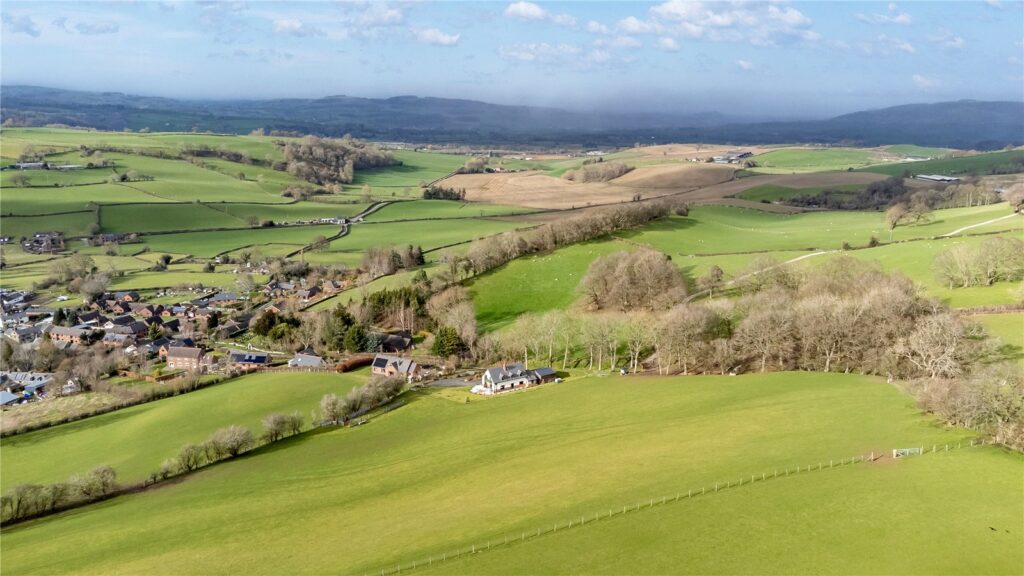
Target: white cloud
296	27
61	23
924	82
619	42
997	4
893	17
595	27
948	40
97	28
884	45
744	65
20	24
1013	61
539	52
566	20
530	12
599	56
761	24
436	37
525	11
668	44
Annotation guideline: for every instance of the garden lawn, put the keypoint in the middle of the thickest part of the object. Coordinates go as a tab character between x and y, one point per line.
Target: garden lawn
437	474
136	440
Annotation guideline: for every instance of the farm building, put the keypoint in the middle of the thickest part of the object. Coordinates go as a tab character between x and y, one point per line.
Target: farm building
384	365
936	178
732	157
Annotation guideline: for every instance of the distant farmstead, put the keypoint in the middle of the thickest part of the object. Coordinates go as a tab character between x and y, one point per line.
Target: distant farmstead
936	178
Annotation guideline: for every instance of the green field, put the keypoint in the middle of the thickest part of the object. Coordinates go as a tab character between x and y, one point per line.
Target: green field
979	164
919	151
74	224
790	160
438	475
772	192
416	167
534	283
136	440
1008	327
428	234
718	229
419	209
43	201
209	244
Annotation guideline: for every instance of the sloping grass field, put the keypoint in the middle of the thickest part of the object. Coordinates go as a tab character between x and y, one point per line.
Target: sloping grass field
136	440
437	475
979	164
812	160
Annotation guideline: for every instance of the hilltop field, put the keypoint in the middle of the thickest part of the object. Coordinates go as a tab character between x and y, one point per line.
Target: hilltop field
596	474
423	481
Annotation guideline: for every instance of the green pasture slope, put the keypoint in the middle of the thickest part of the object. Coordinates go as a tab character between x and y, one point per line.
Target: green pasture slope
423	209
1008	327
812	160
918	151
209	244
979	164
136	440
772	192
437	475
416	167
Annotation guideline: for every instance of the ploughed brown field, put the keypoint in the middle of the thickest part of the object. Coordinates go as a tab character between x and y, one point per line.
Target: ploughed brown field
538	190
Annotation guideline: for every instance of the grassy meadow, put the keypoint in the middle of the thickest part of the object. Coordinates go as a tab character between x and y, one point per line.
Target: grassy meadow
424	480
773	192
136	440
979	164
794	160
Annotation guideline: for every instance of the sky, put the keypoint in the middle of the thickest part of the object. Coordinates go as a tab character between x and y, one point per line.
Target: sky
756	59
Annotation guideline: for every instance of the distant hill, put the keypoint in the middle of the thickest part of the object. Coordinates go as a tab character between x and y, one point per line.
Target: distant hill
962	124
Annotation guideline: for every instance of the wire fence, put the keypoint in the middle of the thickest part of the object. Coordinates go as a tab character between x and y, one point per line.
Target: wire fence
510	539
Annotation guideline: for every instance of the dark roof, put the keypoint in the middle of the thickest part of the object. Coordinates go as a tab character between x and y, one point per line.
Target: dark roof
240	357
380	362
542	372
184	352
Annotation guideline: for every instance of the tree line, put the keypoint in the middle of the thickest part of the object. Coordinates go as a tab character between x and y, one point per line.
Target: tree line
332	161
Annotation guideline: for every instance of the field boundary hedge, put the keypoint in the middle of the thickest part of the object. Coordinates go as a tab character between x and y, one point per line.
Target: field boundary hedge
506	540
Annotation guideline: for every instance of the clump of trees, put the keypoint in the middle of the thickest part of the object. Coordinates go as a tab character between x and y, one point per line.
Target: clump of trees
222	151
31	500
361	399
473	166
300	192
597	172
329	161
436	192
645	279
381	261
994	260
489	253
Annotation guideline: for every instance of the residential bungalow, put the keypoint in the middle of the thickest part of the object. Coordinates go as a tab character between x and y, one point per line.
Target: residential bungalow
276	288
389	343
186	358
307	294
301	360
511	377
240	360
9	399
332	286
129	296
118	340
18	381
44	242
223	299
385	365
276	307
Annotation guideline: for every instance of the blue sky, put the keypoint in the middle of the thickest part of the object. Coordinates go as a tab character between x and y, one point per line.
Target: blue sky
786	59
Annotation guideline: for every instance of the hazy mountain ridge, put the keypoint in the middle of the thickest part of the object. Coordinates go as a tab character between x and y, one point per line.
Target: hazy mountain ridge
960	124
